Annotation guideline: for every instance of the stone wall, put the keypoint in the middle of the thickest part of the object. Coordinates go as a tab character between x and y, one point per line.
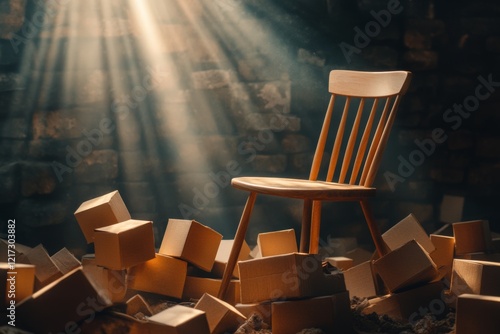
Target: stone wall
168	109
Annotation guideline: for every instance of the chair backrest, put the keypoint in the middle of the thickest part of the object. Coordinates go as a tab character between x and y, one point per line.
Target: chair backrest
359	140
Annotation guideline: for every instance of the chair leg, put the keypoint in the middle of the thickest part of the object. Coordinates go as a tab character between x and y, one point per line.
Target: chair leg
380	244
238	242
306	226
315	227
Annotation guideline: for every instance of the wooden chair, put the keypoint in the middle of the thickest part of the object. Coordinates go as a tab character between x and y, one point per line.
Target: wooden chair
374	98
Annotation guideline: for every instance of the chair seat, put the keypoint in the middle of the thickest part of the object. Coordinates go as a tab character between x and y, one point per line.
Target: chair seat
300	188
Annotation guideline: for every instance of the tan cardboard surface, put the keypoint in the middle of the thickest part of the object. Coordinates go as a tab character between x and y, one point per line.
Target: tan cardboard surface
109	283
444	253
332	314
477	277
277	242
406	230
65	261
164	275
60	305
359	280
46	270
180	319
294	275
196	287
477	314
191	241
405	306
222	317
124	244
406	266
99	212
472	236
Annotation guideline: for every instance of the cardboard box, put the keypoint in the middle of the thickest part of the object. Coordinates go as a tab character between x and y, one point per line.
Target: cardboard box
164	275
65	261
46	270
222	257
16	282
359	256
277	242
294	275
124	244
263	310
406	230
109	283
59	306
477	277
99	212
472	236
360	280
191	241
405	267
196	287
444	253
180	319
136	305
341	262
405	306
331	314
222	317
477	314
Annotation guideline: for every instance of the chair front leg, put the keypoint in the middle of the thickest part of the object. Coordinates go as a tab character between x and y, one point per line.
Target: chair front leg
315	227
305	231
237	244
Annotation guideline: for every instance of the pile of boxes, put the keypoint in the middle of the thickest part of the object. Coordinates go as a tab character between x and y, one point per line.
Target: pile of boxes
431	274
288	290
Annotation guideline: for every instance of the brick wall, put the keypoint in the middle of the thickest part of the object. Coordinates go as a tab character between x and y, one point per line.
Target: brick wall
89	104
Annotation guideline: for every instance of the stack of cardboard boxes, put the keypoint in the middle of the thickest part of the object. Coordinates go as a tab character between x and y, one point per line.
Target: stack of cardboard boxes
289	290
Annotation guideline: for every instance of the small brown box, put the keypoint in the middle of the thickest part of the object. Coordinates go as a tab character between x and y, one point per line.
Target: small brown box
19	280
443	255
360	280
477	277
125	244
294	275
164	275
222	317
406	230
180	319
477	314
137	304
277	242
99	212
405	267
472	236
191	241
61	305
331	314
